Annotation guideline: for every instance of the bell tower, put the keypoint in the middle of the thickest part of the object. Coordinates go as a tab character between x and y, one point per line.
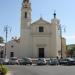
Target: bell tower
26	39
25	14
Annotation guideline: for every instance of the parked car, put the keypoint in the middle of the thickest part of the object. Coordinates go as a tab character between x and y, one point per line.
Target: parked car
1	61
71	61
41	61
13	61
67	61
53	61
6	61
25	61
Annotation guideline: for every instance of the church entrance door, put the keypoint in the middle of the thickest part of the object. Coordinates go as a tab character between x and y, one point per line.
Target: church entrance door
41	52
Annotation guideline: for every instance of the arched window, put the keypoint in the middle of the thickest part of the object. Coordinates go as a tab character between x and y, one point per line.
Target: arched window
41	29
25	14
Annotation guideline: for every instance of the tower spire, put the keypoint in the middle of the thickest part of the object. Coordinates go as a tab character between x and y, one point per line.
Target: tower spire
25	1
54	14
26	4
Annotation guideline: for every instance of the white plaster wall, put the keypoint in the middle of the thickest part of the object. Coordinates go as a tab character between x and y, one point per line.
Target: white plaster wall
41	42
15	49
26	44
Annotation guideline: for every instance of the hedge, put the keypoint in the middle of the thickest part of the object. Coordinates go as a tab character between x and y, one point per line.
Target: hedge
3	70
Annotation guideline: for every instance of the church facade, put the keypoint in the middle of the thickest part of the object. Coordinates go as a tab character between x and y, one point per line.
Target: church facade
38	39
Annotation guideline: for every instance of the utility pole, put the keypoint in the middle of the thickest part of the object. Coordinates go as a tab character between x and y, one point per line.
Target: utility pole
6	33
61	40
6	36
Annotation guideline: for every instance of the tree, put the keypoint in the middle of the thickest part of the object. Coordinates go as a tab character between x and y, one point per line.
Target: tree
70	51
1	40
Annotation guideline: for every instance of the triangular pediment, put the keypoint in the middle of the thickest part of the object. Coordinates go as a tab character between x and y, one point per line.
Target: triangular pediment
40	21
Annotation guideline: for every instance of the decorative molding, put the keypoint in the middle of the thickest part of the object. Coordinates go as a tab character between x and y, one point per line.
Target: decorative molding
41	45
41	34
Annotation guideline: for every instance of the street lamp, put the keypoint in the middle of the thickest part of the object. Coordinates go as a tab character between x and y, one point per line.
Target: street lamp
6	35
61	40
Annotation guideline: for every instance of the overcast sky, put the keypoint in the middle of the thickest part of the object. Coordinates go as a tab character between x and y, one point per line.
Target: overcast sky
65	10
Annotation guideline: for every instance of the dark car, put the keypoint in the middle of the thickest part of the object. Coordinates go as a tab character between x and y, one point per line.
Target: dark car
71	61
41	61
63	62
25	61
53	61
67	61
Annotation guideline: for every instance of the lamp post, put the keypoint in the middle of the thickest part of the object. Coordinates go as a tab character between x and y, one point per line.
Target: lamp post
61	40
61	30
6	36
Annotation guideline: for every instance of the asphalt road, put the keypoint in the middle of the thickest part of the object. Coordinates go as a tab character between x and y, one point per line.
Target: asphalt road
42	70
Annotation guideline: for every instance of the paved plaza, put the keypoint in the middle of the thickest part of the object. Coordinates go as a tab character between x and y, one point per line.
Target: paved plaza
42	70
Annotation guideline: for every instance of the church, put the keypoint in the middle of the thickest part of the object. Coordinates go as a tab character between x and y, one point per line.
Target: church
37	39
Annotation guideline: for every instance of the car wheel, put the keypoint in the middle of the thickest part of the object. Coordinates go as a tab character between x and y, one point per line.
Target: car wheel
30	63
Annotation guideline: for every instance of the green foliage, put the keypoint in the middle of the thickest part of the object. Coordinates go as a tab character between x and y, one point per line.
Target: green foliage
3	69
71	50
1	40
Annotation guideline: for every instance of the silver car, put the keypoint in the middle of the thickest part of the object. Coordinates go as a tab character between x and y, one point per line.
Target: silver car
25	61
41	61
53	61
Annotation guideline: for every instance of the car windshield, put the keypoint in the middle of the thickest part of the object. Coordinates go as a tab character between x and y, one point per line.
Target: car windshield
41	59
26	59
71	59
13	58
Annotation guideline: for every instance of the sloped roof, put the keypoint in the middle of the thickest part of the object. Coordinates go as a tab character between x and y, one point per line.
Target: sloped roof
41	20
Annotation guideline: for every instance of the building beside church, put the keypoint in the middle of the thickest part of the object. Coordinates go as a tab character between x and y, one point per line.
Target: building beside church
37	39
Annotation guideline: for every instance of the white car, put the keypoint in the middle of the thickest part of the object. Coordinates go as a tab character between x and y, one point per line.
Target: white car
13	61
6	61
